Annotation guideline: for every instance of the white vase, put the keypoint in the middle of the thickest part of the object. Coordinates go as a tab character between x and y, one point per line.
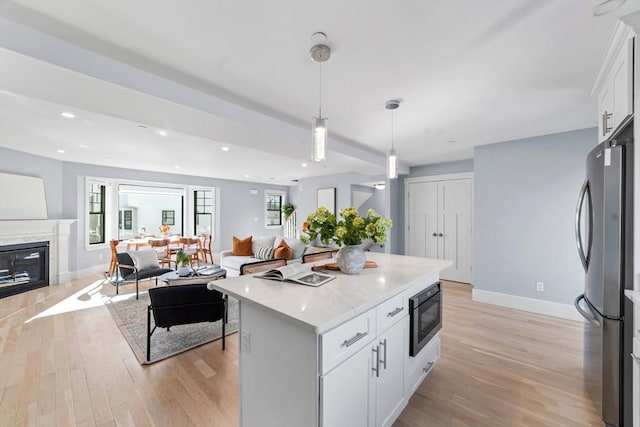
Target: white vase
351	259
183	271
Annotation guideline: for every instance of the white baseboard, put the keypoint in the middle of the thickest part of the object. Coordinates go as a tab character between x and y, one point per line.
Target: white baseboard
96	269
565	311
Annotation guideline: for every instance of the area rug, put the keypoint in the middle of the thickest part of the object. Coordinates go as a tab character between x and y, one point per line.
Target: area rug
131	317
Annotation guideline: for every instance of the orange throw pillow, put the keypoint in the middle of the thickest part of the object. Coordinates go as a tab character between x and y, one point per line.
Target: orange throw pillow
241	247
283	251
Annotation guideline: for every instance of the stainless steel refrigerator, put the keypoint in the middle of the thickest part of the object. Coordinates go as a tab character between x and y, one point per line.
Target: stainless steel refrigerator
604	230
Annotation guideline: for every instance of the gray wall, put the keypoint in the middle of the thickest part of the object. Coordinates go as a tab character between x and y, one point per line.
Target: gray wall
524	203
20	163
375	202
240	213
303	196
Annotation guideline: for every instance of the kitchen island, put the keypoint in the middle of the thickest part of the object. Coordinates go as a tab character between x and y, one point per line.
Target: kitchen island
333	355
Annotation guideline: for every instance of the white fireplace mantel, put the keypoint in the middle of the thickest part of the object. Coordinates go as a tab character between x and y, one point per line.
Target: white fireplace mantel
54	231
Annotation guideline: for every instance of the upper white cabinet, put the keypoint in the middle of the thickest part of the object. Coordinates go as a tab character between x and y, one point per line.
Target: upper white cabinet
614	86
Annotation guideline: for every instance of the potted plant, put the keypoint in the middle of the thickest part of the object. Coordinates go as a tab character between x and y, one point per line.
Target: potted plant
287	210
348	232
182	263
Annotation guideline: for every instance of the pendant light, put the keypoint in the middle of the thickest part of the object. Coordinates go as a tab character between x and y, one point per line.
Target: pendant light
392	158
320	53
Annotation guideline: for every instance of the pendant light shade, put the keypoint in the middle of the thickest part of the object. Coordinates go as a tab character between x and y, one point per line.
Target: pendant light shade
392	157
320	53
392	164
319	139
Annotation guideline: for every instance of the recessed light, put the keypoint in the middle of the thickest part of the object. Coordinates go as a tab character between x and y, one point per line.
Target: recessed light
162	132
84	146
61	151
176	167
225	148
304	165
247	176
68	115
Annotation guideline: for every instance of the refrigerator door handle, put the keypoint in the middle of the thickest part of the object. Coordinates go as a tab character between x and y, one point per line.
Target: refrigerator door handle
590	318
584	258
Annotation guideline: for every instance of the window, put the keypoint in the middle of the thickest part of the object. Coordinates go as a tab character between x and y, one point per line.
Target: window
96	213
273	208
168	217
202	211
151	207
125	220
123	210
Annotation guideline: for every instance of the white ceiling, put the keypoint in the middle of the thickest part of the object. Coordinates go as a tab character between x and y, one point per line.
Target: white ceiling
238	74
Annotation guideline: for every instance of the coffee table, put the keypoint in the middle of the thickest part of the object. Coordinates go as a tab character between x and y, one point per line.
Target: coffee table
172	278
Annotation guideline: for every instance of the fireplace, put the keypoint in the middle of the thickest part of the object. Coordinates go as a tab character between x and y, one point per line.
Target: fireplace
23	267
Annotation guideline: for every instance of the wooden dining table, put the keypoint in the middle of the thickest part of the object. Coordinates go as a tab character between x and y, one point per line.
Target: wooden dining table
137	243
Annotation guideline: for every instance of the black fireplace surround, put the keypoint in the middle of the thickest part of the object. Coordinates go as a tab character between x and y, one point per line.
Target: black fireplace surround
23	267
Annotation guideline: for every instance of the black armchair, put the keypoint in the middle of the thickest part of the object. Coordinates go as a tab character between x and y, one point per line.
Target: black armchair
127	272
185	304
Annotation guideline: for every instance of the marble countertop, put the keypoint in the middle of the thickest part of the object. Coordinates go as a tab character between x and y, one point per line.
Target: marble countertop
339	300
633	296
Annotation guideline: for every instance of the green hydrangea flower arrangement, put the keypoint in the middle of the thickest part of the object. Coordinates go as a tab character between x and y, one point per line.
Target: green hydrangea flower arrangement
352	229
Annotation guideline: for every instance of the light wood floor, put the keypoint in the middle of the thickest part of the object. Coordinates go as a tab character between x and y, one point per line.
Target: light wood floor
64	362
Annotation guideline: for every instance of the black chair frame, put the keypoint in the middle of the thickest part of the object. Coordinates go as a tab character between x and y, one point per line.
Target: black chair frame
196	304
126	271
262	262
316	256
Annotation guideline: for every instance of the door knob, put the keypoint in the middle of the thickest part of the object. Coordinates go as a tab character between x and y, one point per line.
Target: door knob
435	235
440	234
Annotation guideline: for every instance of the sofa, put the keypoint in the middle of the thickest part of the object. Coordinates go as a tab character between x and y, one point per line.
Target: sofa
232	263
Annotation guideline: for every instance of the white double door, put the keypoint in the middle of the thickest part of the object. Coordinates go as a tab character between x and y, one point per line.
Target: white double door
439	223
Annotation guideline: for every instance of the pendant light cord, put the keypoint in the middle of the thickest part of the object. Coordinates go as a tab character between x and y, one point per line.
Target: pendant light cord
392	129
320	93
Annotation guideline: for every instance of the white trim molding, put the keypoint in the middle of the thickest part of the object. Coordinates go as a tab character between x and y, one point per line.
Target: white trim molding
54	231
549	308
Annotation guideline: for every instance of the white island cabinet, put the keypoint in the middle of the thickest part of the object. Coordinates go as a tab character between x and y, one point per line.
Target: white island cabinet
332	356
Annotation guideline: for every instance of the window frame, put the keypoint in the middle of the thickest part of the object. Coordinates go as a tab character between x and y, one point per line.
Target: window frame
88	213
112	207
283	200
212	206
168	217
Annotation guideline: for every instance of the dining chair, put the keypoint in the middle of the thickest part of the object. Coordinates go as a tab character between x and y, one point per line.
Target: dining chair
206	241
260	266
161	246
113	244
192	246
317	256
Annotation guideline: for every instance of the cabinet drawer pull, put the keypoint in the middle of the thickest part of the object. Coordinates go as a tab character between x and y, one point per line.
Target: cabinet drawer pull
394	312
383	362
636	359
605	123
428	368
355	338
376	369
